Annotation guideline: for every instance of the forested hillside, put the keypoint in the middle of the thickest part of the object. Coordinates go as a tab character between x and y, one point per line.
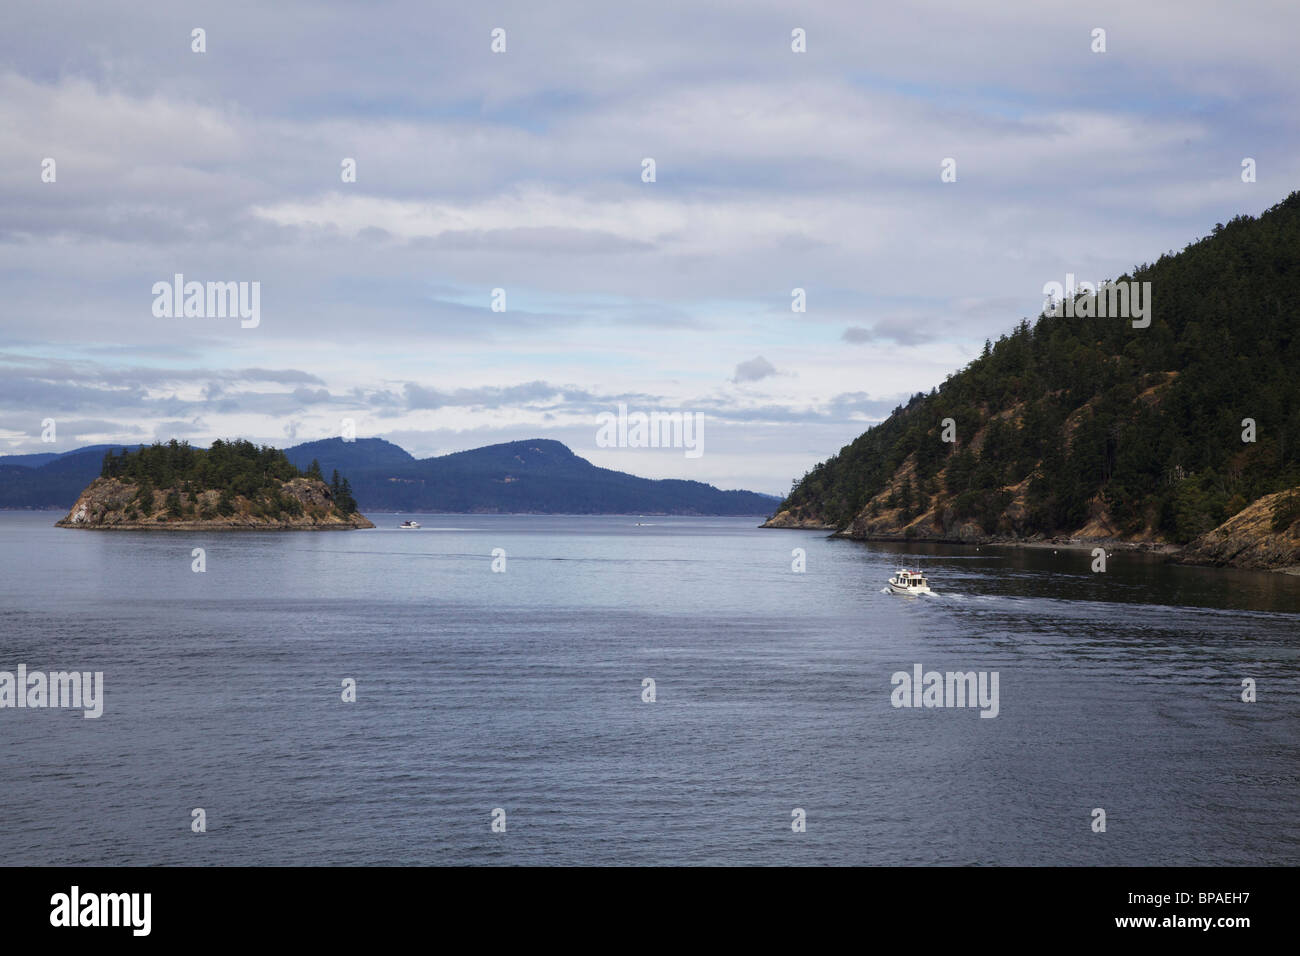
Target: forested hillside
1090	426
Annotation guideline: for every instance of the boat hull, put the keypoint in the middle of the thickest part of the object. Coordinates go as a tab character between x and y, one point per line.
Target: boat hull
897	589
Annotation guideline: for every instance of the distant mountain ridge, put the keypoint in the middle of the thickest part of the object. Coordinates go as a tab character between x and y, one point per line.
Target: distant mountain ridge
52	480
540	476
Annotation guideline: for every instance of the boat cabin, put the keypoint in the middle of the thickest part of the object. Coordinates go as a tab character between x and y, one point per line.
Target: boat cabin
909	579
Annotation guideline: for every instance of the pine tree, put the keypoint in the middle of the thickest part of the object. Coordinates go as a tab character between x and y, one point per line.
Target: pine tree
346	503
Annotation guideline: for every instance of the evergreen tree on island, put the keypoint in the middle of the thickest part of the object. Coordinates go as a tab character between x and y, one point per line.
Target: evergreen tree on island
228	480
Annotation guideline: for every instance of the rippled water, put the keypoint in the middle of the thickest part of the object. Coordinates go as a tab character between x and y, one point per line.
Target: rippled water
522	690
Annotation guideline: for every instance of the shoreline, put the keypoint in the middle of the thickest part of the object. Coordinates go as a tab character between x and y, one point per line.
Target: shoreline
1110	545
1171	553
200	526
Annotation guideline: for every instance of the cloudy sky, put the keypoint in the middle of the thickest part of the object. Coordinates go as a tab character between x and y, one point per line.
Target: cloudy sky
522	171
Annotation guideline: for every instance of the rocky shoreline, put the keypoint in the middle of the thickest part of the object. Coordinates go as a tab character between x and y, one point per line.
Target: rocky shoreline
1246	540
219	526
1249	540
111	504
784	519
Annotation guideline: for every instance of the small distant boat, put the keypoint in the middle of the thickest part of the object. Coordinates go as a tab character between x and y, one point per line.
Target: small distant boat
409	525
906	581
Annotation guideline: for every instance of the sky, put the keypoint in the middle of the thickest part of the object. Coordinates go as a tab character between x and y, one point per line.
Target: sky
524	171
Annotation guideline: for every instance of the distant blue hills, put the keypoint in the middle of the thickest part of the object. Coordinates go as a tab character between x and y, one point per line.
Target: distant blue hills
537	476
50	480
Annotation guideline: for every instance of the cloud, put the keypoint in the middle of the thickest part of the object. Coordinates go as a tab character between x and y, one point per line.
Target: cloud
754	370
900	332
774	171
180	430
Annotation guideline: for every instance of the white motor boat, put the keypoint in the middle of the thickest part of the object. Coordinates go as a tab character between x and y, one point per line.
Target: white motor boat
906	581
409	525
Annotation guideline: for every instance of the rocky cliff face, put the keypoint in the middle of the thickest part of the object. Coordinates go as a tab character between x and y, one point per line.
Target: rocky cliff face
791	519
305	504
1251	538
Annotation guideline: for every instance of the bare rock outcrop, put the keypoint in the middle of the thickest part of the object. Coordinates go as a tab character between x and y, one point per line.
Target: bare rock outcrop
300	504
1254	537
789	519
